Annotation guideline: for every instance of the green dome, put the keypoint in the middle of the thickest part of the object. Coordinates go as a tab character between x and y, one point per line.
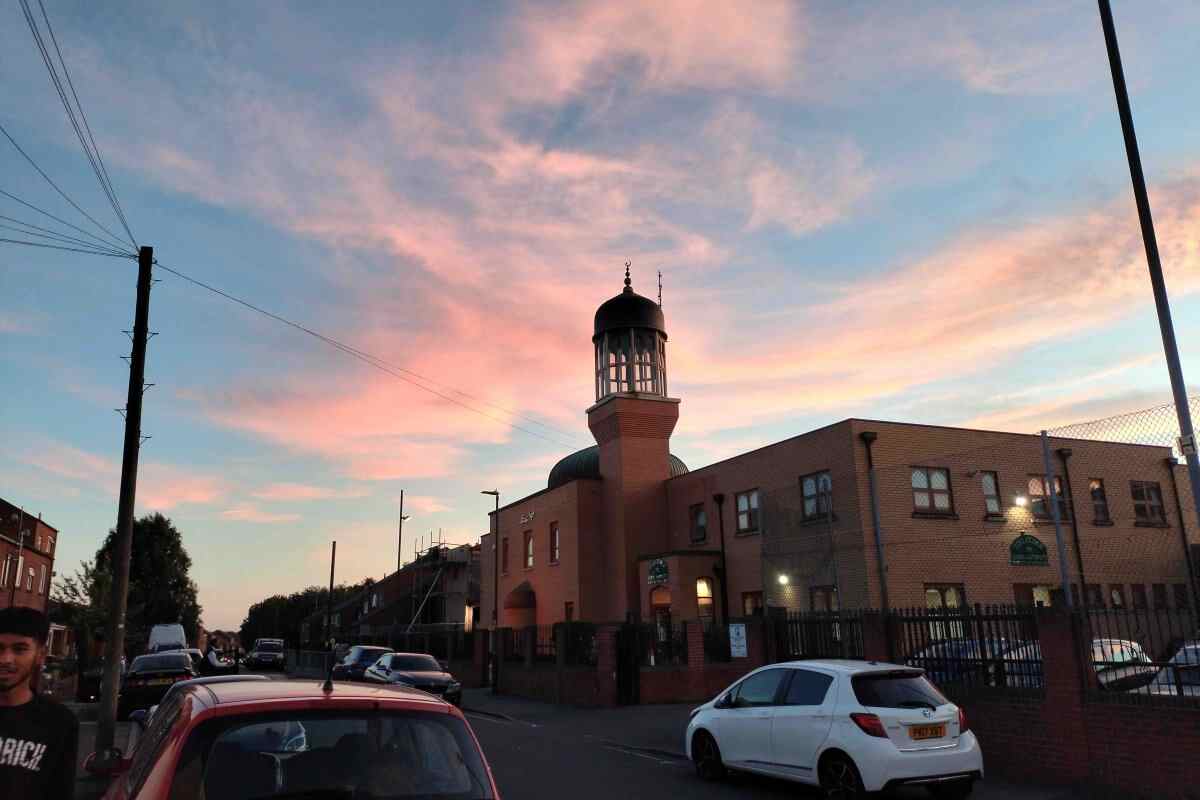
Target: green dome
585	463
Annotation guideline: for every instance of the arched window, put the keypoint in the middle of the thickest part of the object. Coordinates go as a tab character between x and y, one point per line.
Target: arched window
704	599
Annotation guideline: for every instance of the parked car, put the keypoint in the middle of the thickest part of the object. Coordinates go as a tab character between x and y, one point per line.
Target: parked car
224	740
142	717
166	637
148	679
417	670
850	727
956	660
1180	677
356	662
1119	665
267	653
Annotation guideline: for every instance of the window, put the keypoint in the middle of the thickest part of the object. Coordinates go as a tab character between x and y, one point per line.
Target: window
29	580
569	612
1138	592
759	689
823	598
1042	595
528	549
50	545
1116	593
1095	597
42	582
807	688
697	523
1159	590
1148	503
991	492
704	599
1037	498
4	573
931	490
818	492
747	511
504	555
1181	596
752	604
1099	500
554	543
945	598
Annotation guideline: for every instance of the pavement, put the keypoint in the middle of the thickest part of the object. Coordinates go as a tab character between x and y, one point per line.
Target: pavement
87	787
540	750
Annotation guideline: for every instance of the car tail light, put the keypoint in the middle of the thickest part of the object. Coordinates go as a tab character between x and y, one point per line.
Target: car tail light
962	722
870	724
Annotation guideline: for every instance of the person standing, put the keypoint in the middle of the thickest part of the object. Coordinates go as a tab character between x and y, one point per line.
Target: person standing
39	738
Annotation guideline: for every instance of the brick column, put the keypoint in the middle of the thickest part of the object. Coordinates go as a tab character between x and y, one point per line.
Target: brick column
875	636
606	664
1063	678
503	643
529	649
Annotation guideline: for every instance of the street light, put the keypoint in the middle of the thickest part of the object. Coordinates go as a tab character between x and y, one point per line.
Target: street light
495	580
783	580
1022	500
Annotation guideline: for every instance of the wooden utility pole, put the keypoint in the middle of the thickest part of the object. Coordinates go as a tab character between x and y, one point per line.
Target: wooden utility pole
400	534
115	639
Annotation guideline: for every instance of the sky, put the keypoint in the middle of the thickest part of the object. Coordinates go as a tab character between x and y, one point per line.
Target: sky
908	211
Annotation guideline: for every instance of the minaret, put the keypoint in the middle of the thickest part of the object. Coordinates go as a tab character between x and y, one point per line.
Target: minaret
632	421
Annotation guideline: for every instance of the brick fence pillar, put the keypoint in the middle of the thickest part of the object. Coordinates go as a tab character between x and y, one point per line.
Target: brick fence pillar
503	645
529	646
1064	673
606	664
875	636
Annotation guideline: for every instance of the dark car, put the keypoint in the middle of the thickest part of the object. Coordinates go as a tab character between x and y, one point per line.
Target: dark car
418	671
149	678
958	660
267	653
356	662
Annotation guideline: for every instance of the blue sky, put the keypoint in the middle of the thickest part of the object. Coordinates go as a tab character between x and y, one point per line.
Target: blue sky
911	211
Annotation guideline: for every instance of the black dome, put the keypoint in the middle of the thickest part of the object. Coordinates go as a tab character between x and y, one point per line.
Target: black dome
585	463
629	310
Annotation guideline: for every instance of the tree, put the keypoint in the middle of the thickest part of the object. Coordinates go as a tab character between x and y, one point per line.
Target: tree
282	616
160	588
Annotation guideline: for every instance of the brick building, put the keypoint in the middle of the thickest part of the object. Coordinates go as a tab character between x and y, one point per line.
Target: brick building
27	549
957	516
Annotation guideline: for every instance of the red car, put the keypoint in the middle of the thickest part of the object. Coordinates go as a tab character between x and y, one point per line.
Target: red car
301	740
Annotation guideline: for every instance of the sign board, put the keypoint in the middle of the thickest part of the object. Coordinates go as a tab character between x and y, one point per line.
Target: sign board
658	572
527	518
737	640
1027	551
1187	445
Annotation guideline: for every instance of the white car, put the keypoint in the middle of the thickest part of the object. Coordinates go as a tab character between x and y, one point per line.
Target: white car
850	727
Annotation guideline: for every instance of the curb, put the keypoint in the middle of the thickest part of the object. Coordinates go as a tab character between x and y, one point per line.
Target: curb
651	751
493	714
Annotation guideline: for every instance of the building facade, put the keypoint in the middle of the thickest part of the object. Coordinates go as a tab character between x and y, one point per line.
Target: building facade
27	549
861	513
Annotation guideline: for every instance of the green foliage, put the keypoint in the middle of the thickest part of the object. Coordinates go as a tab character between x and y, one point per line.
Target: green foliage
282	617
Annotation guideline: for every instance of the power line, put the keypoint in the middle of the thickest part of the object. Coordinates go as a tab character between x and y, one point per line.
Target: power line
72	249
28	228
45	213
63	194
54	237
102	172
397	372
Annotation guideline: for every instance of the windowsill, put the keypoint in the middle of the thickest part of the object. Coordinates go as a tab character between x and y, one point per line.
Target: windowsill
697	542
753	532
553	563
1047	521
1102	523
993	518
527	569
934	515
1141	524
818	520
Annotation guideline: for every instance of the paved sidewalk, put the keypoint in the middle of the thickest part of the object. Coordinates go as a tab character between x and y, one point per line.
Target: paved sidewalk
87	787
659	729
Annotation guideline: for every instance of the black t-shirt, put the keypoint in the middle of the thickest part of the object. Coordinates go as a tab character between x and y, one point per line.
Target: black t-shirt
39	743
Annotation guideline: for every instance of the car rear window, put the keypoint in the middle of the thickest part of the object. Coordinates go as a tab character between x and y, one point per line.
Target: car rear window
270	647
416	664
896	690
365	656
368	754
163	662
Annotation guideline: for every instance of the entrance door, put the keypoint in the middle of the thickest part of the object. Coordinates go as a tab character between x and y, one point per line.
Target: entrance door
627	665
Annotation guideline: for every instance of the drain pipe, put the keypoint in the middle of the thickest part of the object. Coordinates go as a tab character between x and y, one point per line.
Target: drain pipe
1187	549
719	499
1065	453
868	438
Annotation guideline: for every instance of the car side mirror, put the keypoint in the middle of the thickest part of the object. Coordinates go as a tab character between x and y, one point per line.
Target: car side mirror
139	716
724	702
106	763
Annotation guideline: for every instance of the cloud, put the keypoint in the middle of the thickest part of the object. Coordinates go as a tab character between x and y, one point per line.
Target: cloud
22	323
297	492
424	504
252	513
809	193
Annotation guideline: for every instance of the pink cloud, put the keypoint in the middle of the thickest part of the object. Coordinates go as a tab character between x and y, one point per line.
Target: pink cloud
295	492
252	513
424	504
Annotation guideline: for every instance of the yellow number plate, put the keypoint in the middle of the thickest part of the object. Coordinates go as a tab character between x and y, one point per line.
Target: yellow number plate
159	681
927	731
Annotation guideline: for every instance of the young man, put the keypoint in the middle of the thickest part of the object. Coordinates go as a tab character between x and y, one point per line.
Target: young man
39	739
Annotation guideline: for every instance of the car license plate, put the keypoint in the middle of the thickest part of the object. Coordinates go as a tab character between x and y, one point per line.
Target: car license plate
159	681
919	732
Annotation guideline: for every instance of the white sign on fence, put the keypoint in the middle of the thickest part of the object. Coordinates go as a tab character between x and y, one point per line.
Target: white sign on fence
737	640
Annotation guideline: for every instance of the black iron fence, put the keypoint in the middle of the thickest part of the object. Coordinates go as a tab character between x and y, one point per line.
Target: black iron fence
579	642
817	634
1142	655
545	645
716	641
662	642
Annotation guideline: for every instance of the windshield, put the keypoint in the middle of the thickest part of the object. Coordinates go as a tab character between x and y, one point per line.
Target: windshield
896	690
365	655
416	664
163	662
270	647
346	754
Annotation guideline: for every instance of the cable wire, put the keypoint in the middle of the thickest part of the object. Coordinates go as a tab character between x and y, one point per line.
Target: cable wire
63	194
43	212
396	372
72	249
102	172
55	237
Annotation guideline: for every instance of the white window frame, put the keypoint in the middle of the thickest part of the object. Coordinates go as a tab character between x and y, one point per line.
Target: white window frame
751	511
42	582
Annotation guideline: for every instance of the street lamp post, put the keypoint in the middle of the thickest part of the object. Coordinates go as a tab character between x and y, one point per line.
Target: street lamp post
495	579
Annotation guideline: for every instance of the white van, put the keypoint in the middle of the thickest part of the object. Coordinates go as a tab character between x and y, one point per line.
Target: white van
166	637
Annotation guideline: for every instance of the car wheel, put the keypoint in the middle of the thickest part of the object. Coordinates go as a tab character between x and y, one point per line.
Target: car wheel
707	757
839	778
956	790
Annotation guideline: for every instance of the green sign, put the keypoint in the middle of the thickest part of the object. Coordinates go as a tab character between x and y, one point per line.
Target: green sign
658	572
1027	551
